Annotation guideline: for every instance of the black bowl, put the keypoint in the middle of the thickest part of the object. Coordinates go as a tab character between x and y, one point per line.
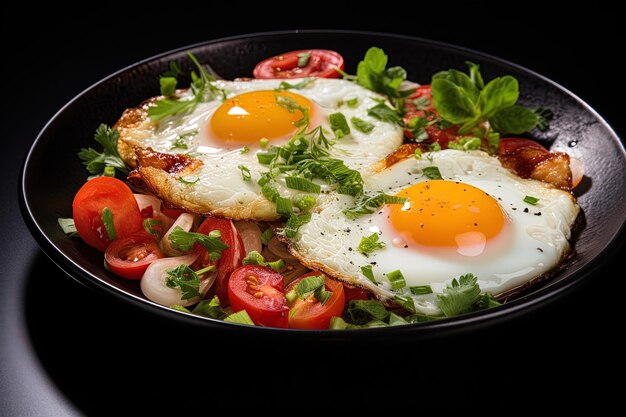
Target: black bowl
52	173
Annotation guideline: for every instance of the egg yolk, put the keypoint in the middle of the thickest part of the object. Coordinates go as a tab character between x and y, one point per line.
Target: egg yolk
447	213
248	117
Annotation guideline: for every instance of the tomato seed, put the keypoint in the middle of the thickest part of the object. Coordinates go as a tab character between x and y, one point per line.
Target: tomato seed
258	294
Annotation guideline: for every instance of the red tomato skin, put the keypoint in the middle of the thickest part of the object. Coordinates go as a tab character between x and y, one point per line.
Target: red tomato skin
321	64
271	309
90	201
231	258
311	314
355	293
135	241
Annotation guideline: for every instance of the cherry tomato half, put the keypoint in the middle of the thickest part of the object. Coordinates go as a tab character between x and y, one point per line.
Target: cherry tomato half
231	258
90	202
320	63
259	291
310	313
130	256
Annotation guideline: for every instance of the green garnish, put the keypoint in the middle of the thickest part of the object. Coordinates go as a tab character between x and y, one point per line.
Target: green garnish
184	241
488	301
109	172
284	85
370	243
468	101
202	88
68	226
240	317
360	311
465	144
385	113
418	153
304	201
244	150
434	147
245	173
294	223
267	235
169	79
312	285
531	200
361	125
210	308
107	221
181	142
432	173
264	142
255	258
544	116
372	74
153	226
96	162
417	127
339	125
421	289
283	206
369	273
292	105
353	102
460	296
186	279
369	203
186	182
302	184
396	279
303	59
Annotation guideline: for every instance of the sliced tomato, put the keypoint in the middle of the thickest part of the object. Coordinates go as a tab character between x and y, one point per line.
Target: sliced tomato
260	291
231	258
321	63
310	313
90	202
354	293
130	256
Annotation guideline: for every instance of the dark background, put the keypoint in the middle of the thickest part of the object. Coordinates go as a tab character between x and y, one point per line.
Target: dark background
66	349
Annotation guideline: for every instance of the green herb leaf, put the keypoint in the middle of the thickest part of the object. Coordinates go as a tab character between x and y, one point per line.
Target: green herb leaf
544	117
168	107
460	296
421	289
178	307
153	226
515	119
465	143
488	301
339	124
245	173
353	102
294	223
303	58
95	161
432	173
360	311
372	74
396	279
313	285
370	243
531	200
68	226
302	184
107	220
417	127
292	105
498	94
186	182
241	317
181	141
244	150
395	320
210	308
184	241
186	279
255	258
361	125
284	85
304	201
267	235
434	147
385	113
369	203
168	86
475	75
369	273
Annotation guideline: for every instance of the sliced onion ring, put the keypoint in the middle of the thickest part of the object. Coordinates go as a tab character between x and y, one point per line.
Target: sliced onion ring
185	221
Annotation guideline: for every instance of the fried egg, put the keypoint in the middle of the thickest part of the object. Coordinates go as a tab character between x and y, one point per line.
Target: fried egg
474	220
227	135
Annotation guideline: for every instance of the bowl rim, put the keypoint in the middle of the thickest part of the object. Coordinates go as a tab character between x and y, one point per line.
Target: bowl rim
525	304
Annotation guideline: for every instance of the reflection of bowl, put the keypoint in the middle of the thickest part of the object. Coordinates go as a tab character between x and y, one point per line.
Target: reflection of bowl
52	172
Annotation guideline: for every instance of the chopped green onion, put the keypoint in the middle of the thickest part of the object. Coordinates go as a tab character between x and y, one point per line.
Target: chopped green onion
255	258
184	181
283	206
267	235
244	150
107	220
531	200
432	173
241	317
369	273
353	102
245	173
370	243
264	142
361	125
303	58
396	279
109	171
421	289
302	184
304	201
339	124
68	226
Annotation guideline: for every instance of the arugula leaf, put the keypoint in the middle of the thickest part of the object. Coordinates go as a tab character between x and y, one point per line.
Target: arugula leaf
186	279
385	113
68	226
369	273
514	119
372	74
96	162
210	308
432	173
240	317
468	101
361	125
284	85
370	243
460	296
339	124
255	258
107	220
184	241
369	203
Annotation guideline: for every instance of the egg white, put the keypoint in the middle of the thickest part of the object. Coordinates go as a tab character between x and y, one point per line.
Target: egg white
535	241
219	187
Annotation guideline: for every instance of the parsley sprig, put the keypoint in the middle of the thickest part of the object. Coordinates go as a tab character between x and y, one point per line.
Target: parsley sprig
186	279
97	162
184	241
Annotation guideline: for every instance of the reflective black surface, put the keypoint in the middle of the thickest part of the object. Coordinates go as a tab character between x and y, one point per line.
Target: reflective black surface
61	343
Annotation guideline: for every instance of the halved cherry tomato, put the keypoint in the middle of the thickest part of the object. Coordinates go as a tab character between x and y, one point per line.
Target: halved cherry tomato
231	258
91	200
259	291
310	313
129	256
321	63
